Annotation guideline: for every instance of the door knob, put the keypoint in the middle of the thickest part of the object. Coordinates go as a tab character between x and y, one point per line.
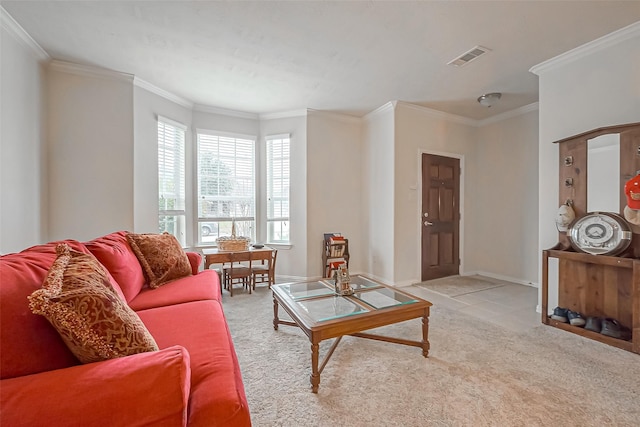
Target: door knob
428	223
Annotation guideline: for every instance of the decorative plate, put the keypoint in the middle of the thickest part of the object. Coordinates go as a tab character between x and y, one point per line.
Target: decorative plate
600	233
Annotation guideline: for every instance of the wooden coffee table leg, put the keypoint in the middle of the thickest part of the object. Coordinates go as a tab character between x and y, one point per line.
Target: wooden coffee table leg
425	335
275	314
315	375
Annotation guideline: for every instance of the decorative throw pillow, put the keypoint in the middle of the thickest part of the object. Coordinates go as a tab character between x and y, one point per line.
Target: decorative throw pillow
161	257
94	322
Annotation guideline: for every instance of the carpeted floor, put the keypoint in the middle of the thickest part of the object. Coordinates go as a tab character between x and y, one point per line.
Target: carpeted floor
478	374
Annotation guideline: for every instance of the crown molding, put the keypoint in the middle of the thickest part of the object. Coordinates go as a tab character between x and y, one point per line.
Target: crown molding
589	48
384	108
508	114
11	25
161	92
89	71
439	114
225	112
336	116
283	115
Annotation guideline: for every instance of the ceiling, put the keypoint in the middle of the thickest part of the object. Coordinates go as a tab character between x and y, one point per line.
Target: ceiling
347	57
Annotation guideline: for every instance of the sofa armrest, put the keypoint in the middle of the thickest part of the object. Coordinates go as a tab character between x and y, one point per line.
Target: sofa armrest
142	389
195	259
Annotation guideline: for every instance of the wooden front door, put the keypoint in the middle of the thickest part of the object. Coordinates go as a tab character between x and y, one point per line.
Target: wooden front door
440	216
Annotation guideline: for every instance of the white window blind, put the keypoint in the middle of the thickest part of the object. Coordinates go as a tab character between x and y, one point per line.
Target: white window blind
278	177
171	178
226	185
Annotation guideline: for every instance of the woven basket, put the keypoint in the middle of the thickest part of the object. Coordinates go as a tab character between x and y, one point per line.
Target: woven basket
233	245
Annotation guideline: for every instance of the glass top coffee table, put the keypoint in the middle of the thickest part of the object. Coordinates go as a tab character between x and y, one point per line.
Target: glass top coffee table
321	314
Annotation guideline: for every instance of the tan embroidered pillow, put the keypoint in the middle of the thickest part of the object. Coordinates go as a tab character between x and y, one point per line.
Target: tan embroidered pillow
78	300
161	257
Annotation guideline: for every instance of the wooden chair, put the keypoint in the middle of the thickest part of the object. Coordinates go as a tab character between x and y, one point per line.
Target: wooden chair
237	272
265	273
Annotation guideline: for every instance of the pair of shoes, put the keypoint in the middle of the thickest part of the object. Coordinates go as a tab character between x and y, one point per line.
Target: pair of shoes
560	314
613	328
565	315
575	318
594	324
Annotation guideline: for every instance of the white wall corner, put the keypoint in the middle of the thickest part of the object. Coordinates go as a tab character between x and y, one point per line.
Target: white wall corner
589	48
11	25
163	93
89	71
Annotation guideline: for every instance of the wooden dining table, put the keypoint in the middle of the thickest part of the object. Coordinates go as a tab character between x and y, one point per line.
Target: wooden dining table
215	256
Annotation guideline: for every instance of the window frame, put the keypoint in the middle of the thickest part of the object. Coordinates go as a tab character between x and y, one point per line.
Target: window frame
180	213
198	219
269	185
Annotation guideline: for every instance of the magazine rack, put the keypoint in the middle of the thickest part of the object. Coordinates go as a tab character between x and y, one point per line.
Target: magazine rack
335	252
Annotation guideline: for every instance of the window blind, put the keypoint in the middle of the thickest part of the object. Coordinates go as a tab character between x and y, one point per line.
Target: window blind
278	183
171	178
226	182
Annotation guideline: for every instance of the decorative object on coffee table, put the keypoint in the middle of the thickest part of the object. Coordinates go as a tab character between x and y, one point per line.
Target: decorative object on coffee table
342	281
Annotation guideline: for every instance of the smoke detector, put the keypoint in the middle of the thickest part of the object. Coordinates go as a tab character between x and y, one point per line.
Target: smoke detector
469	56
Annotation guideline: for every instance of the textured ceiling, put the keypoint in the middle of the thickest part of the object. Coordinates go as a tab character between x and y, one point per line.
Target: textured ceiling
343	56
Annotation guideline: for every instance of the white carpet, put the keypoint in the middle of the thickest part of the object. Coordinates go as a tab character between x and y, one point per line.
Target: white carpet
478	374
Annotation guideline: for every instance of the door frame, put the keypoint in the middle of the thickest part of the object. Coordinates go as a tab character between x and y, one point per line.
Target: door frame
460	157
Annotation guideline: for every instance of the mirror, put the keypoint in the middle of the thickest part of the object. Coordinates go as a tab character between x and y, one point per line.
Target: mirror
603	173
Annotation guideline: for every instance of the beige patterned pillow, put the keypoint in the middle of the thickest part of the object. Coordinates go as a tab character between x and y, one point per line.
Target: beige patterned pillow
78	300
161	257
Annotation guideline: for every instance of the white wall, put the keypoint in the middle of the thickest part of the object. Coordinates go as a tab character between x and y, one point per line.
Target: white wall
90	152
420	130
334	186
593	86
378	177
23	166
506	221
147	107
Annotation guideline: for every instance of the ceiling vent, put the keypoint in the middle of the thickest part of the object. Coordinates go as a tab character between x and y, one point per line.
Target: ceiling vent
469	56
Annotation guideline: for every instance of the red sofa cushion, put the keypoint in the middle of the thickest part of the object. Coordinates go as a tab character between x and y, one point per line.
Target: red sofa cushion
204	286
146	389
161	256
113	251
29	343
217	393
79	301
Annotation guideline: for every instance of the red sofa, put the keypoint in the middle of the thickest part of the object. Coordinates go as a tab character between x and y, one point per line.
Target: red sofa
193	380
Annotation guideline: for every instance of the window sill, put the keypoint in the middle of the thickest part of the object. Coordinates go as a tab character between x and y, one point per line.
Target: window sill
284	246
